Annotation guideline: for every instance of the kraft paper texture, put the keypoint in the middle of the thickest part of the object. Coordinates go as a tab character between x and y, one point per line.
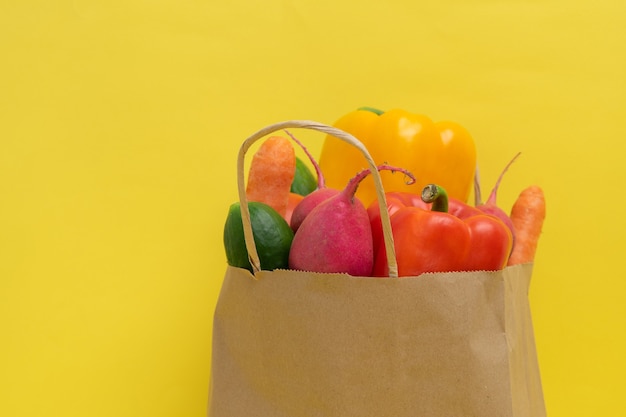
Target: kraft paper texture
296	344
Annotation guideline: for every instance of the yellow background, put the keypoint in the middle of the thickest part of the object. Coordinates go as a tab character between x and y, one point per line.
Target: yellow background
119	126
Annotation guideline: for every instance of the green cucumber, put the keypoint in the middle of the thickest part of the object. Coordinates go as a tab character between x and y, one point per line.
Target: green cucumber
304	182
272	236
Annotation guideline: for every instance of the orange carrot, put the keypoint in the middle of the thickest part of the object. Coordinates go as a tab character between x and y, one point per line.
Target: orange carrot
527	214
271	173
293	201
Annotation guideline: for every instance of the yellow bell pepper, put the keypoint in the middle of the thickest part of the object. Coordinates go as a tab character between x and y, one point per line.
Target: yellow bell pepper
441	153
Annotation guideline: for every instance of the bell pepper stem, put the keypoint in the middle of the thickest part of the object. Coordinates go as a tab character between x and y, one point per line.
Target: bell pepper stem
372	109
437	195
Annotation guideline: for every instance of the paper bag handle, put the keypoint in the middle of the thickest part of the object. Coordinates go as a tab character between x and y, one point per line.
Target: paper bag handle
339	134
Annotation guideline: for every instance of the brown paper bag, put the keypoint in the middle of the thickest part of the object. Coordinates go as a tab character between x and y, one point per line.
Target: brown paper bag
296	344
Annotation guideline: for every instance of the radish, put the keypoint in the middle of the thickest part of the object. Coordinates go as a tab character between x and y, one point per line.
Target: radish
490	206
308	203
336	236
313	199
